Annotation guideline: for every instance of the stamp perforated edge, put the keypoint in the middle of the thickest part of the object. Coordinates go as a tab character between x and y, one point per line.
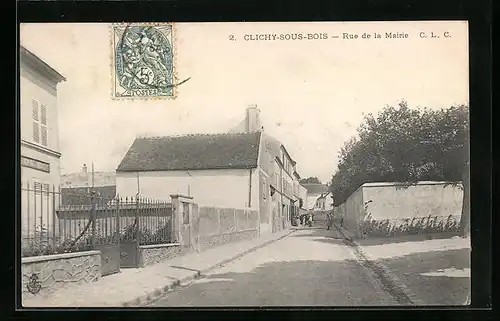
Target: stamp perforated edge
175	77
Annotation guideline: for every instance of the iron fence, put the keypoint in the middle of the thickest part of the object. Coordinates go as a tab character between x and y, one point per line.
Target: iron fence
145	221
51	226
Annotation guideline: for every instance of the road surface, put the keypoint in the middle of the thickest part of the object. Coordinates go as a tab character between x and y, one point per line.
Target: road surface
311	267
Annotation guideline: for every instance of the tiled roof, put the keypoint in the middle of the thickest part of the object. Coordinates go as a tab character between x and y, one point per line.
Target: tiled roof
325	194
81	195
193	152
313	189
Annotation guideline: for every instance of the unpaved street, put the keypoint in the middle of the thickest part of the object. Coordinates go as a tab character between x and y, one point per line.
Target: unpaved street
311	267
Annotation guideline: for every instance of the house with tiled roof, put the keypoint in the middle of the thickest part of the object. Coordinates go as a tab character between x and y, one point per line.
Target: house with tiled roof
314	192
240	169
324	202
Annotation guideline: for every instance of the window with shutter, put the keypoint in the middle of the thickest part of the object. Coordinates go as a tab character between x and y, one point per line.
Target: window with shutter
37	187
36	132
43	114
43	125
46	188
44	135
36	126
34	104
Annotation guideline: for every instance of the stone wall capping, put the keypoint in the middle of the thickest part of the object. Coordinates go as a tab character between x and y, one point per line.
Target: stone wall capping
42	258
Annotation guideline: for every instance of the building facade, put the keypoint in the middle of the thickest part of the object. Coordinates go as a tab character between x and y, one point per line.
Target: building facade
219	170
314	192
286	202
303	199
39	142
243	169
40	155
324	202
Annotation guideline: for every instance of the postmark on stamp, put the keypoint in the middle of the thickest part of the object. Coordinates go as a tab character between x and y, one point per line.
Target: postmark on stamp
143	61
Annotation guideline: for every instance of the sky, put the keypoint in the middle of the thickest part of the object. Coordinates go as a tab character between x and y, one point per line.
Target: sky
312	94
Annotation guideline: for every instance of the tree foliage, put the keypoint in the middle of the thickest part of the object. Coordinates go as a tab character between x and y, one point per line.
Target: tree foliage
403	144
310	180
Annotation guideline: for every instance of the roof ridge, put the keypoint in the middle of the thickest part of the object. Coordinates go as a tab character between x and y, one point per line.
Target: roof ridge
195	135
192	151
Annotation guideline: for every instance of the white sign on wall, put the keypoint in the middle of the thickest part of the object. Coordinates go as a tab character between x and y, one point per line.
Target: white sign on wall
35	164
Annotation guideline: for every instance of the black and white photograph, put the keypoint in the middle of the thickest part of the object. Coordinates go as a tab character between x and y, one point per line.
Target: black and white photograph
244	164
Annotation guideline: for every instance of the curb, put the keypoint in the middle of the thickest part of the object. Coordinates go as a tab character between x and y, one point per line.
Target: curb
159	292
389	281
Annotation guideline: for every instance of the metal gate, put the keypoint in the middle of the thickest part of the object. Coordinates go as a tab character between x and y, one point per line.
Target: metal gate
88	222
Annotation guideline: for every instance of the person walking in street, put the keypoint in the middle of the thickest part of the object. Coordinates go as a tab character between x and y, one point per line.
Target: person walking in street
329	221
309	219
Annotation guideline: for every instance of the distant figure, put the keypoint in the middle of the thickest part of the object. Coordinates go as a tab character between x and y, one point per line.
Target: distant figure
309	219
329	221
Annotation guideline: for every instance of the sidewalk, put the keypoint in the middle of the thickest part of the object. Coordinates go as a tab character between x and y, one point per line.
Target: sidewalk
429	272
138	287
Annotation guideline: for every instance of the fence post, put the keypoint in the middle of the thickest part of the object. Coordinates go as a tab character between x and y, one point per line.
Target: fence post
28	201
34	211
118	229
137	231
53	215
93	218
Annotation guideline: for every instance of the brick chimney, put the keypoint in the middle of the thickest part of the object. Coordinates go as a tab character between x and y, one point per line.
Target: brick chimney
253	123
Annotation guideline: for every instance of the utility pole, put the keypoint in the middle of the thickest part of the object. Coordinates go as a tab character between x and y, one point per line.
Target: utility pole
138	185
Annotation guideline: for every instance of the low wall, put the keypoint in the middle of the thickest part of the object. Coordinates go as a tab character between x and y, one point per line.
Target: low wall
393	201
207	241
389	209
50	272
152	254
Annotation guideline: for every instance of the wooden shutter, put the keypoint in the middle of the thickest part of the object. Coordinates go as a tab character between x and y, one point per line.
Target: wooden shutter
46	188
36	126
34	104
43	125
43	115
37	187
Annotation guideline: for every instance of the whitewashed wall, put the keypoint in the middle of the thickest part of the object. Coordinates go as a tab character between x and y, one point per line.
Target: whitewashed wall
220	188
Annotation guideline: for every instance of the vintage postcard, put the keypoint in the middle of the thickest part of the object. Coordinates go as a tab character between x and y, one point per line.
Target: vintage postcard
245	164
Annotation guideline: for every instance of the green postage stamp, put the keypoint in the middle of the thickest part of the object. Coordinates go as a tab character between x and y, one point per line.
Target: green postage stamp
143	60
